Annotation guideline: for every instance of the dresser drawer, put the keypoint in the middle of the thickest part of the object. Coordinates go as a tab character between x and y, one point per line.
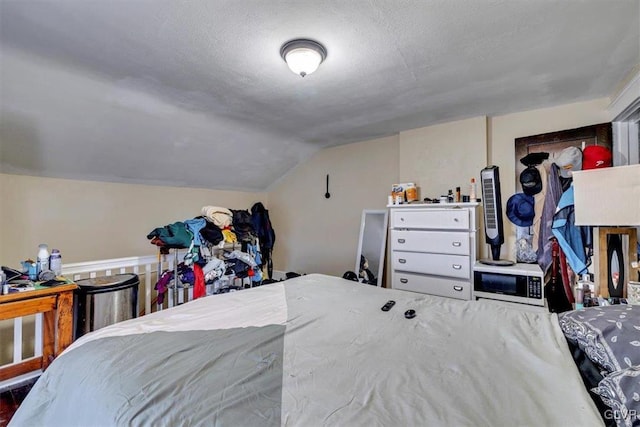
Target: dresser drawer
436	264
445	242
445	219
449	288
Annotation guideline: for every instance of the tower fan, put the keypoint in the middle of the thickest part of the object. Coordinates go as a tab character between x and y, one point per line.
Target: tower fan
493	229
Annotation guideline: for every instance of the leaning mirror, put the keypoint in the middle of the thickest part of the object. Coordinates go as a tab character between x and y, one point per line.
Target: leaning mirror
371	246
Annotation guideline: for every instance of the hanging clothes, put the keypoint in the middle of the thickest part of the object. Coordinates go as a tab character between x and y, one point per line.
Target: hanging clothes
570	236
554	290
254	251
539	203
552	197
163	284
187	276
265	233
198	287
566	279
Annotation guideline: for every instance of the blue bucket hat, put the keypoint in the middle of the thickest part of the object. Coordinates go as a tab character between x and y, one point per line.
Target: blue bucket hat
520	209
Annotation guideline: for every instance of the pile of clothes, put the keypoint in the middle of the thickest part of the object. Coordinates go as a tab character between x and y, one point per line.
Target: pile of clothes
216	224
206	235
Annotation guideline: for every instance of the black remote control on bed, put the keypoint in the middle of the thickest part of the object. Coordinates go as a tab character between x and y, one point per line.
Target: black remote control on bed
410	314
388	305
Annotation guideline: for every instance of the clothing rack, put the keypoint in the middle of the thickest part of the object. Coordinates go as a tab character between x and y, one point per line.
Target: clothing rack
178	286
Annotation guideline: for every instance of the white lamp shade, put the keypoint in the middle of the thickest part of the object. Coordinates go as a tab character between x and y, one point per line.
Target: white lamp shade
607	196
303	56
303	61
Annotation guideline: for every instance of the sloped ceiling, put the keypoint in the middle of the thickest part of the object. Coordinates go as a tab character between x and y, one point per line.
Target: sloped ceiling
194	93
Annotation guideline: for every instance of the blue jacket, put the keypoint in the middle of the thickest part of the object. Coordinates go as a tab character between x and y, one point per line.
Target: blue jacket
568	234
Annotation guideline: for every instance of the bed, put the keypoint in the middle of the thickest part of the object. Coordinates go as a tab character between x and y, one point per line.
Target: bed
317	350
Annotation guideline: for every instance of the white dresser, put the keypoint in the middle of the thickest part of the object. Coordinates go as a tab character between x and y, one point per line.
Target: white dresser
433	248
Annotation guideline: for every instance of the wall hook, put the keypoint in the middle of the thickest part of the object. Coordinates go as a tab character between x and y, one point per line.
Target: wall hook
327	194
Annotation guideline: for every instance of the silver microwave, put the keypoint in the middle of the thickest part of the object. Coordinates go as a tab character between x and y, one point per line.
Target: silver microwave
520	283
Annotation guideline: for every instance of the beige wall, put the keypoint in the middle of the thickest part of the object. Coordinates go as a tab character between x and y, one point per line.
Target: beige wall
95	220
92	220
319	235
445	156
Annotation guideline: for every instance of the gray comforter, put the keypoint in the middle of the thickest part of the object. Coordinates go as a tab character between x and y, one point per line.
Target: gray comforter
321	353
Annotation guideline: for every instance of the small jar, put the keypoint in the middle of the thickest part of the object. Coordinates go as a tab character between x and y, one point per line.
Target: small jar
3	282
55	262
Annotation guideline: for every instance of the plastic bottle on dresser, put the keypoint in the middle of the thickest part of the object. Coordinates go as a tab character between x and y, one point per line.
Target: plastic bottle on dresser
472	190
55	262
43	258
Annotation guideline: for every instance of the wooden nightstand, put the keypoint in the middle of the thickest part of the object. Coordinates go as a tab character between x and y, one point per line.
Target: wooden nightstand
56	304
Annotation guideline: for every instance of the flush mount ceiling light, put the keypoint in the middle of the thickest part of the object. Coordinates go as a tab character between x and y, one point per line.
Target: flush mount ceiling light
303	56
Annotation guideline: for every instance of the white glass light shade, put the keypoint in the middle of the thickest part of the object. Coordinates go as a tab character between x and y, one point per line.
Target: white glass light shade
303	61
303	56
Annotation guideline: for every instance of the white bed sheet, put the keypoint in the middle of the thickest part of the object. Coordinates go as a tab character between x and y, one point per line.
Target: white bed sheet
260	306
346	362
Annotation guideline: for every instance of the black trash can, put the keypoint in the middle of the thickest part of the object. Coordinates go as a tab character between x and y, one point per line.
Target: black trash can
103	301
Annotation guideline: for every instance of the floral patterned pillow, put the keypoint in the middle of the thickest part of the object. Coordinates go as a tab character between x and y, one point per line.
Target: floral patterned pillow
609	335
620	391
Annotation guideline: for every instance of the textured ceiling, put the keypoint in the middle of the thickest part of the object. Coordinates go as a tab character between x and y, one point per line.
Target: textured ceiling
194	93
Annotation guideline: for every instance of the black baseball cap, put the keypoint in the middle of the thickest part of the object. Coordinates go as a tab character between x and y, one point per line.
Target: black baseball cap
531	181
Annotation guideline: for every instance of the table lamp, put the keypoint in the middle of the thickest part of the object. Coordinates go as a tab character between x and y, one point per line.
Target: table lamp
609	199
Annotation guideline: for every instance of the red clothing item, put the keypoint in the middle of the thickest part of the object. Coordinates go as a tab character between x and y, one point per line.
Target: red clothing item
566	282
198	286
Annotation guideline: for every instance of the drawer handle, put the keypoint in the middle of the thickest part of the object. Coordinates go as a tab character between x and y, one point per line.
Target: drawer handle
402	261
401	240
404	280
456	220
456	266
458	288
401	219
457	244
